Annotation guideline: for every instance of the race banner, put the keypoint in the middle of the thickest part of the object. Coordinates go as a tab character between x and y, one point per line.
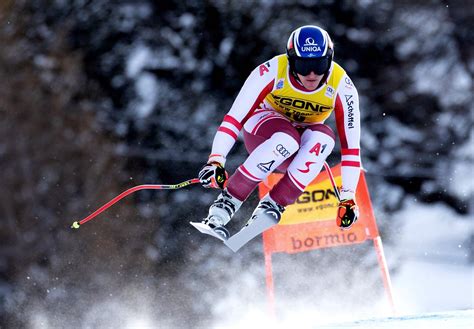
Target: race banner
310	223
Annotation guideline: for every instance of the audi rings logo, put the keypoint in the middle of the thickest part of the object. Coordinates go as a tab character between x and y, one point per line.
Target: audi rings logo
282	150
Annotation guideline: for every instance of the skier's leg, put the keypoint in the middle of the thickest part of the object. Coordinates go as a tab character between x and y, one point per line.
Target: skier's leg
317	142
261	127
271	140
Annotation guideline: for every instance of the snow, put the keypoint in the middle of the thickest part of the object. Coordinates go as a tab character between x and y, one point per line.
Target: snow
455	319
402	132
437	287
187	20
432	289
436	320
429	258
460	186
434	231
436	274
432	76
146	86
138	58
439	74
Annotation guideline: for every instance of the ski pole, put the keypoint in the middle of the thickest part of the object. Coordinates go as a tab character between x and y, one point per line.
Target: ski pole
122	195
333	182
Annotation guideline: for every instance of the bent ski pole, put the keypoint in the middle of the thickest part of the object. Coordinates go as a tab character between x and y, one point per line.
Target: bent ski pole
122	195
333	182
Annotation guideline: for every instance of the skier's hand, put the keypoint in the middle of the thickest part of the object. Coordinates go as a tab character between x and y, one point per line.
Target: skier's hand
347	213
213	175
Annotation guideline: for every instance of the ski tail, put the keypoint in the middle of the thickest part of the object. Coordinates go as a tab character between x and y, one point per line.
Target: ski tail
263	222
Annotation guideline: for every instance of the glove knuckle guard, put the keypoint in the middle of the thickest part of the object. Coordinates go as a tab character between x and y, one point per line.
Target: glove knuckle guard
213	175
346	214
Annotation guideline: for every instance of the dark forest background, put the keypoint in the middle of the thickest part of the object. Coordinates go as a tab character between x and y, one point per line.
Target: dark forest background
98	96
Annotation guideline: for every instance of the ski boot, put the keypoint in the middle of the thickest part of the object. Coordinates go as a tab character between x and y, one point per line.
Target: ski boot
267	206
221	212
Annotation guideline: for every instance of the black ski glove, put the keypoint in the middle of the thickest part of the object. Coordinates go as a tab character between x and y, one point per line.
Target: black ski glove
347	213
213	175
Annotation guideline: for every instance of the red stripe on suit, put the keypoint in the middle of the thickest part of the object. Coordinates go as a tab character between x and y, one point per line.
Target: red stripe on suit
350	163
228	131
230	119
349	151
339	109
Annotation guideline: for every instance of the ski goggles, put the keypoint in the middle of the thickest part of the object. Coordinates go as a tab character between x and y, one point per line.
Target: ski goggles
305	66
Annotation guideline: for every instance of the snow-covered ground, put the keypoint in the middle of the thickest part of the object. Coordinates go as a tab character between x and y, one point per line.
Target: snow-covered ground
441	320
433	287
435	274
460	319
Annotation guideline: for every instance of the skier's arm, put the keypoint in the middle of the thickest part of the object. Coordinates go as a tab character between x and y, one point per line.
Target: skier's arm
348	126
259	83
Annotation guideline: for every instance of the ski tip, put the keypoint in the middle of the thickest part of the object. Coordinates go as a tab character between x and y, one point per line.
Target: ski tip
75	225
203	228
199	226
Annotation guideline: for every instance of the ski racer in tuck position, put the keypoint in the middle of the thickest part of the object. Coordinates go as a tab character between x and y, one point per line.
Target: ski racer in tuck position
282	108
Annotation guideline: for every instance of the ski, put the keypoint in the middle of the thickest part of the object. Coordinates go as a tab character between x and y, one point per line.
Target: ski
253	228
206	229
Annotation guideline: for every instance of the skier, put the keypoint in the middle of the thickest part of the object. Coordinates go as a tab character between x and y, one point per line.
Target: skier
282	107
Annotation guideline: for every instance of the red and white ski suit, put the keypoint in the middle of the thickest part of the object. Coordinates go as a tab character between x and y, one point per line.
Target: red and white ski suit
284	130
